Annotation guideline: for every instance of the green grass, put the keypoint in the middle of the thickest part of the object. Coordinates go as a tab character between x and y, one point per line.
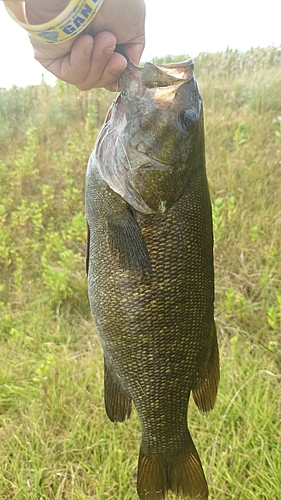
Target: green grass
55	439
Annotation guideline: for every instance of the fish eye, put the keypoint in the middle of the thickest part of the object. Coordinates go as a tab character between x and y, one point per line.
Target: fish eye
189	118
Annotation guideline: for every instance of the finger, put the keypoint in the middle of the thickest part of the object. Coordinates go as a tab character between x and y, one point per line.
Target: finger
74	66
117	64
88	56
106	65
134	51
58	61
108	77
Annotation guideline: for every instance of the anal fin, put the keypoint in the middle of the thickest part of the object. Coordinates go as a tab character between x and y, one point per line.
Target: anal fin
118	404
204	394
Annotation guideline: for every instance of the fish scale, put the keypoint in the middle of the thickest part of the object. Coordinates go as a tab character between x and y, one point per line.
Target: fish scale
151	291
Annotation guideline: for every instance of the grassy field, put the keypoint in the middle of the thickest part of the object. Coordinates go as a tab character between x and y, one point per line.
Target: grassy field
55	439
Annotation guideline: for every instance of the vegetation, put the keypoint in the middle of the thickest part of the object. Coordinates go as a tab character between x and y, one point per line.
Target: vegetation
55	440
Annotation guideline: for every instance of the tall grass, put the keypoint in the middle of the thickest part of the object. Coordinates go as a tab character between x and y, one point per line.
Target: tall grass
55	440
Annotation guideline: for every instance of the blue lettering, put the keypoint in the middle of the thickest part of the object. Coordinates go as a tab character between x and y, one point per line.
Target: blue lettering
78	21
69	29
86	11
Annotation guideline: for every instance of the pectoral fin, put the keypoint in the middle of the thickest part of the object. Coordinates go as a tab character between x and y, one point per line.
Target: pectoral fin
127	242
204	394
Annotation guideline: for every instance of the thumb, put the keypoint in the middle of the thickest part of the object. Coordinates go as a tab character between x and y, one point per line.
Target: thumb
134	51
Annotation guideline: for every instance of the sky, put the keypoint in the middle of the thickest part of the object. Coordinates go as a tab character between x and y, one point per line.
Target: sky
172	27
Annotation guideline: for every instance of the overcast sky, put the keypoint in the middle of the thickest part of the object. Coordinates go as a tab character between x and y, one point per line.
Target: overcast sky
177	27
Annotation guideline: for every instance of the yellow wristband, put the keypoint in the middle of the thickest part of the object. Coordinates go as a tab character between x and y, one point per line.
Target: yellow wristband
73	19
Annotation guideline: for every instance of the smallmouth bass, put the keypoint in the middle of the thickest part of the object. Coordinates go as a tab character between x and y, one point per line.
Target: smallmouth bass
150	270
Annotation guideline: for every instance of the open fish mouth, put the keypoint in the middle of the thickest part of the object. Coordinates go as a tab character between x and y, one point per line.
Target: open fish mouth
152	75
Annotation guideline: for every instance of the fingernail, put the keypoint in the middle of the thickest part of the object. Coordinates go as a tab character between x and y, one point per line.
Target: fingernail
109	50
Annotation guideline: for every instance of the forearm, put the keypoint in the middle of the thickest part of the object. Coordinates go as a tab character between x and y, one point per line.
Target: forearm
48	23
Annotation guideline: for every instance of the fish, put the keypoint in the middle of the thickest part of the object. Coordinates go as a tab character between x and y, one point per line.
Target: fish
150	270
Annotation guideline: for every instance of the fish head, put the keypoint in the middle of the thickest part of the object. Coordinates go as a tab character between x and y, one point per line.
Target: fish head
164	127
152	143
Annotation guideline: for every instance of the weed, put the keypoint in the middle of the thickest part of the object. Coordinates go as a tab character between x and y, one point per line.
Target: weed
55	440
277	123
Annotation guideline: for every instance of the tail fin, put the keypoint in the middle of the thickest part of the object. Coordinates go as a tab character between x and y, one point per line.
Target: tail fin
152	479
183	476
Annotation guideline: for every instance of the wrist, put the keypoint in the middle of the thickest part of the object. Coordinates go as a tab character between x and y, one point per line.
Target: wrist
69	23
40	11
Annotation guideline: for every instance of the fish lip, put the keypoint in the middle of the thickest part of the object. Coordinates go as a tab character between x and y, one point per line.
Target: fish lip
150	162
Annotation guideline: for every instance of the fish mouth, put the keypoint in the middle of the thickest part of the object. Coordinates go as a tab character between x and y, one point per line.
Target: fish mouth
151	166
152	75
146	162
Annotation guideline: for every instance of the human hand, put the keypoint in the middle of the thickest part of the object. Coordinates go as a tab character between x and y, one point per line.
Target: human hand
88	60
